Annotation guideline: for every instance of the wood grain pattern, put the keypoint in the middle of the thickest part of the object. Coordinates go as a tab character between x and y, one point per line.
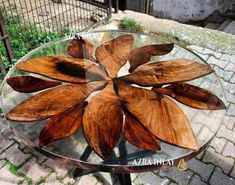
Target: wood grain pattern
159	114
81	48
178	70
51	102
102	121
62	125
29	84
63	68
142	55
192	96
115	53
138	135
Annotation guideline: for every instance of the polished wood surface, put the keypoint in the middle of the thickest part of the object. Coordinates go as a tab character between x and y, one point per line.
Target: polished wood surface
192	96
30	84
63	68
50	102
138	135
62	125
159	114
103	121
114	54
81	48
165	72
142	55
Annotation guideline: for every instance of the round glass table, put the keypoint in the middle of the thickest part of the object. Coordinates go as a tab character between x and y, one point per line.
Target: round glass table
125	157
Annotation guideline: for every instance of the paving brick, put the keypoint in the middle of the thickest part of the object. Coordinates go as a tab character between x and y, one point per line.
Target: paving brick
35	171
172	183
233	172
52	180
2	163
231	110
230	67
230	97
204	134
226	133
225	163
88	180
227	57
61	169
202	169
203	56
232	80
7	178
196	180
181	177
150	178
218	144
219	177
16	156
68	180
196	48
5	143
229	122
217	62
230	87
226	75
229	150
210	52
199	156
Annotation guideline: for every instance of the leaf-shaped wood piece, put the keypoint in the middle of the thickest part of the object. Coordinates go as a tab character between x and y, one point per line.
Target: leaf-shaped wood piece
142	55
62	125
177	70
29	84
51	102
63	68
159	114
81	48
102	121
138	135
115	53
192	96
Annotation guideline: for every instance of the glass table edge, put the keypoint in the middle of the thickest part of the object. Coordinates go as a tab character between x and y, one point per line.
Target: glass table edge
100	166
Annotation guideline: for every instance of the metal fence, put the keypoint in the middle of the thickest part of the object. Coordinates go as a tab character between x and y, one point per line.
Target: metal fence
70	16
57	15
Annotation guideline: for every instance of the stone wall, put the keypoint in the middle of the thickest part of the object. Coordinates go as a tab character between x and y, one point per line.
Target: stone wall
185	10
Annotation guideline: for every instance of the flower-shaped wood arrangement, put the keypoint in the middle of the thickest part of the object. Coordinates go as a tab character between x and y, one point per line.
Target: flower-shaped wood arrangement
143	116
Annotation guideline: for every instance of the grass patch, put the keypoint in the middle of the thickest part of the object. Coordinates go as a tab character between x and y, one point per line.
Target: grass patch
25	38
14	170
131	24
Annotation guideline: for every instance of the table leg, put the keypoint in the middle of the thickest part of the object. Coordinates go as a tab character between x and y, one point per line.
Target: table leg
78	172
124	179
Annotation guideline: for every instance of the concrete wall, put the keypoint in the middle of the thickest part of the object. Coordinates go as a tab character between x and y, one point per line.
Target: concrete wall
185	10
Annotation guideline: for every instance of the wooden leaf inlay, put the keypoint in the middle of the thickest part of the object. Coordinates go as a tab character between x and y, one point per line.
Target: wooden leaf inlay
81	48
159	114
192	96
62	125
115	53
143	54
138	135
63	68
51	102
29	84
102	121
178	70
